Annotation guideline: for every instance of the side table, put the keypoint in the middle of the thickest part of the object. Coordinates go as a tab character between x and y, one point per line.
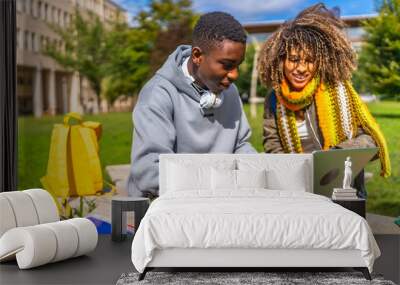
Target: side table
119	206
355	205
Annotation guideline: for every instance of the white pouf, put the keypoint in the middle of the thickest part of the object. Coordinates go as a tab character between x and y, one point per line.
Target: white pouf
31	232
46	208
40	244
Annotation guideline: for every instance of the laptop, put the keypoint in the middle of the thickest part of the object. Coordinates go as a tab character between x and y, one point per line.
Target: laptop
329	167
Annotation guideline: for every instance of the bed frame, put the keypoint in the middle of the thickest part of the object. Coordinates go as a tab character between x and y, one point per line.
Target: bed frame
245	257
259	258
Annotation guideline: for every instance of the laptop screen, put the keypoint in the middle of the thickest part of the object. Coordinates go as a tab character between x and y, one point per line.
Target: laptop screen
329	167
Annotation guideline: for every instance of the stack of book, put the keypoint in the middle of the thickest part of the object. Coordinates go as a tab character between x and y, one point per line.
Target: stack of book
344	194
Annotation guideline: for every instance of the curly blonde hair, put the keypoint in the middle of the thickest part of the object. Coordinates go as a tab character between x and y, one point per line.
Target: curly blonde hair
317	31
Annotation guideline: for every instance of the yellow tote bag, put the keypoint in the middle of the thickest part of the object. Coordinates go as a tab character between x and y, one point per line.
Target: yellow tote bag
74	167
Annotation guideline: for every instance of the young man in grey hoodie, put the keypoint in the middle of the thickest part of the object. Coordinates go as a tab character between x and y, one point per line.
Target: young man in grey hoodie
190	105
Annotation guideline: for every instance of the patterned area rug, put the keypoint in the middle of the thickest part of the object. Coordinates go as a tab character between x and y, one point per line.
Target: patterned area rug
273	278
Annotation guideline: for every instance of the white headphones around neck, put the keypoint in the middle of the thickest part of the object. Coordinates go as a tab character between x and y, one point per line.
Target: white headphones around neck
208	99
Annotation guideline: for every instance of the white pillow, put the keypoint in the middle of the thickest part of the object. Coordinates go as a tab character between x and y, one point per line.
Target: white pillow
251	178
295	180
197	160
225	179
284	171
193	174
182	177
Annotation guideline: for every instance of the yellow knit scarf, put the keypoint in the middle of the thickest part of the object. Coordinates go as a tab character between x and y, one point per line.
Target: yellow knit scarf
340	113
297	100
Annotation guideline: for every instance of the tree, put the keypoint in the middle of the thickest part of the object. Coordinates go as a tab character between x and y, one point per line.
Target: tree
114	58
127	66
243	83
379	60
85	50
177	33
168	23
118	59
161	13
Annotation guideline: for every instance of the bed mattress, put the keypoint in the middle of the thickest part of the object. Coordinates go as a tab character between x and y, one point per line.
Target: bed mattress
250	219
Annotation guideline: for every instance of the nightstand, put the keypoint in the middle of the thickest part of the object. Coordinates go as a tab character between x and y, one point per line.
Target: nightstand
356	205
121	205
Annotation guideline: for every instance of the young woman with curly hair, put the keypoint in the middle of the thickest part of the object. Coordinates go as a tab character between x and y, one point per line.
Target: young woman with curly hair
308	63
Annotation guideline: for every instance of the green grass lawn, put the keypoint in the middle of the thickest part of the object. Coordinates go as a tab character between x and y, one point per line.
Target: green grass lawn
384	194
115	147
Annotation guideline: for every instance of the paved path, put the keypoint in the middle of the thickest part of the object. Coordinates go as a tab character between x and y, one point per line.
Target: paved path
119	174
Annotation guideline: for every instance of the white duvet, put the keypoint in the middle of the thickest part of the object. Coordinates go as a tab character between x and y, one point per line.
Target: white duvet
250	219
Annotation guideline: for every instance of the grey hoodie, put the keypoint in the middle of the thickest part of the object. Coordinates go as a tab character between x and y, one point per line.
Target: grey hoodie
168	119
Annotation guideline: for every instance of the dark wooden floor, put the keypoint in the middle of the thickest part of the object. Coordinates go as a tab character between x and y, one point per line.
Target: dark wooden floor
102	266
106	264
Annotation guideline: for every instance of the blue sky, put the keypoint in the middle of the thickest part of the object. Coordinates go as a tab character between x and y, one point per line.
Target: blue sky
261	10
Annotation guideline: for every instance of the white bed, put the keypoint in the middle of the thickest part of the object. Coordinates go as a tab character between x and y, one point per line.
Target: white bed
247	211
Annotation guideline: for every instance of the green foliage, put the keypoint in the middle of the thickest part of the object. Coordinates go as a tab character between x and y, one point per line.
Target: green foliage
168	23
70	209
243	83
113	58
177	33
162	13
379	61
85	48
127	67
118	59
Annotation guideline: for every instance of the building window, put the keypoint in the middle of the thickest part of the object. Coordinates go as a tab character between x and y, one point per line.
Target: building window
34	43
46	11
54	15
44	43
28	6
18	38
41	43
59	18
23	5
33	12
39	10
26	40
19	6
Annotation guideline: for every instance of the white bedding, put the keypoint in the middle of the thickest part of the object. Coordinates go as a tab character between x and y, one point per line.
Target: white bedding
252	218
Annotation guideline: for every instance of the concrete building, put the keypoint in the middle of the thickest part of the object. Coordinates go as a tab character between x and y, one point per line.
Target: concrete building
43	86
